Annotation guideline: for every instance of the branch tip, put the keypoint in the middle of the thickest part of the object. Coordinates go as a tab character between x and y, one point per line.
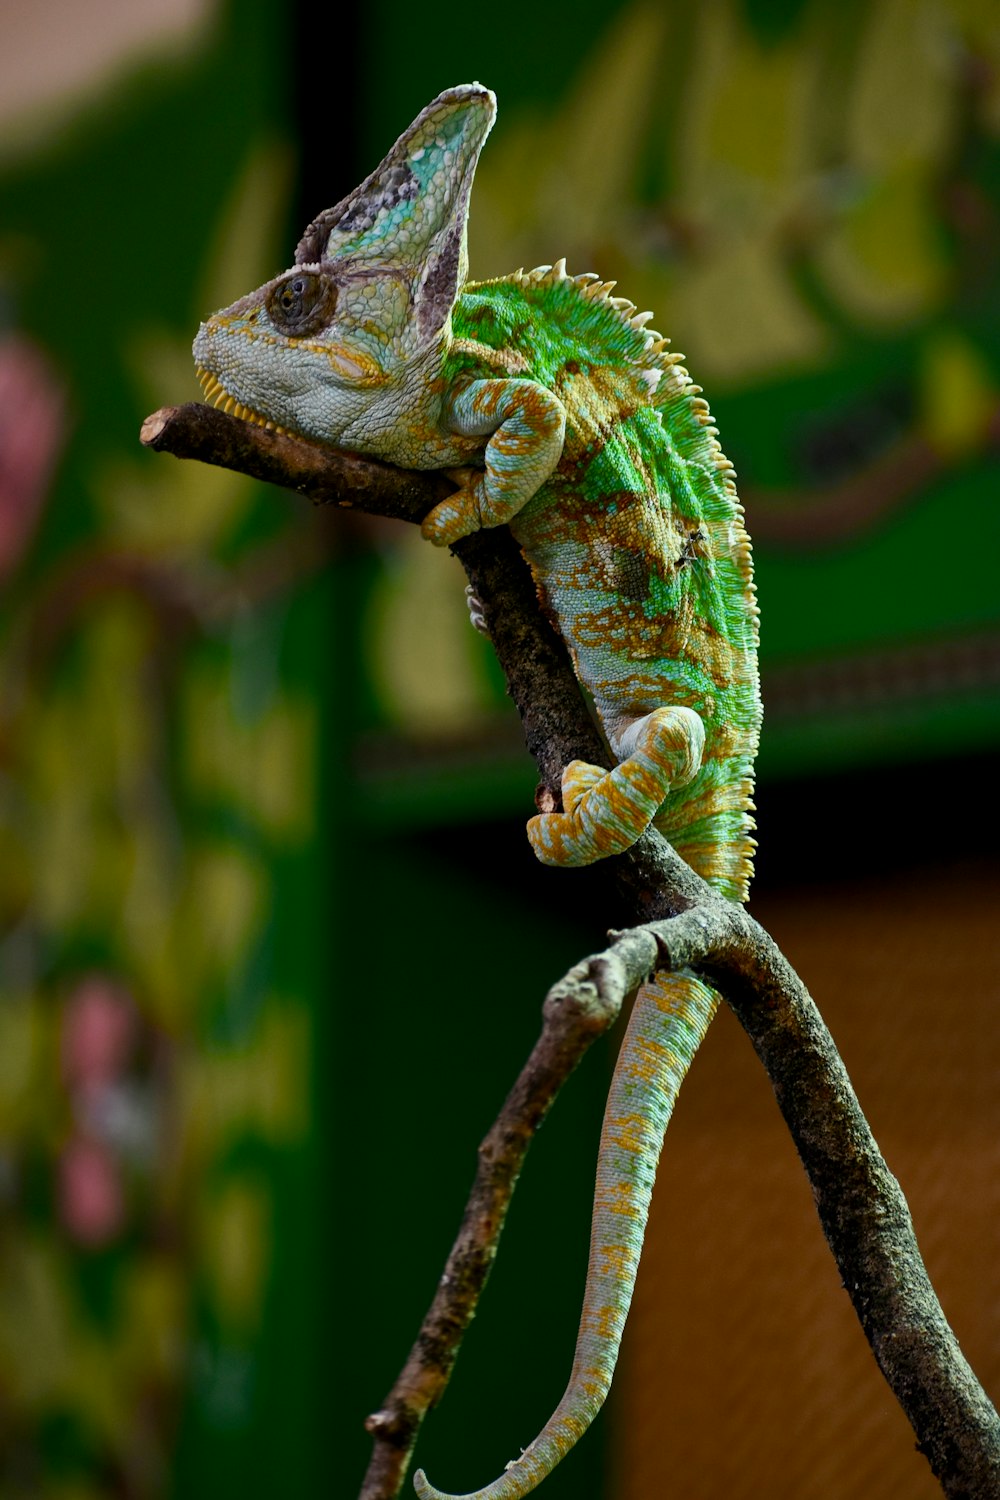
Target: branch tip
153	426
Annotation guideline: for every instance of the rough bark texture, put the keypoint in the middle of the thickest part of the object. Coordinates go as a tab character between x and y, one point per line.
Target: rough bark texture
862	1210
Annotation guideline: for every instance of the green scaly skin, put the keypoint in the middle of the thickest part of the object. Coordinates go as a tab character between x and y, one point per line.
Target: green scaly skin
562	415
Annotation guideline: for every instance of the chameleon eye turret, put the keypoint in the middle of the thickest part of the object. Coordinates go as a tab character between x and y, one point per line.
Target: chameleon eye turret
302	303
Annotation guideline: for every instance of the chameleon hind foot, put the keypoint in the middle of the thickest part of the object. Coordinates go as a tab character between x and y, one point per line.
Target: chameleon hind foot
605	812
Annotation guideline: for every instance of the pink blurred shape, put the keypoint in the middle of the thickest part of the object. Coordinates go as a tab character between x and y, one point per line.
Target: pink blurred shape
32	428
90	1194
99	1031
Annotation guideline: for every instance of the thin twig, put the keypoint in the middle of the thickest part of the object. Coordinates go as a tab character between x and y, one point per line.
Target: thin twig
575	1013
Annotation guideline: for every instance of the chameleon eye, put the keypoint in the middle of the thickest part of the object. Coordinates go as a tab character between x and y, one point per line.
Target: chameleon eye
302	303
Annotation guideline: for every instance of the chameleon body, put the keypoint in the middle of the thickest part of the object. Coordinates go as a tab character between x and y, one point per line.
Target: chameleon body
562	415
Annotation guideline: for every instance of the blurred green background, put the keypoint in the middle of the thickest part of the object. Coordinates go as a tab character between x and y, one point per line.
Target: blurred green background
272	944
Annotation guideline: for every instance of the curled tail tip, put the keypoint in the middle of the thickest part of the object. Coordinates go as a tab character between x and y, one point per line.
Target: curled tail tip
504	1488
425	1489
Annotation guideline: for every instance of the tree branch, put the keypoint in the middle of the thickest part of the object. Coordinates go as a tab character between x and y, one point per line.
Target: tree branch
861	1206
863	1212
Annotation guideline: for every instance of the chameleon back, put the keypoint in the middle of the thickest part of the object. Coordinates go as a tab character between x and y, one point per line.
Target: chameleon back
636	542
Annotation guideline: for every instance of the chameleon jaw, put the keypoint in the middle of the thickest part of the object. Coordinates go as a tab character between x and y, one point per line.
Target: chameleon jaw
216	393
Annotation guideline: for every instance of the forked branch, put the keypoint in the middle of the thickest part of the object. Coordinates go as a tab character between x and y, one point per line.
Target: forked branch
683	922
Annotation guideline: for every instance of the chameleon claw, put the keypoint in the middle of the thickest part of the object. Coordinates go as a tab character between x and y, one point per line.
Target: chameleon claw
476	617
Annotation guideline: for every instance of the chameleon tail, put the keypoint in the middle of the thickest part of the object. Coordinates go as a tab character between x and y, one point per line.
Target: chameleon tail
670	1017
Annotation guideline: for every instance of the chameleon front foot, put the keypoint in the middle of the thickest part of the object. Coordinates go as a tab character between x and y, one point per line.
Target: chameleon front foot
605	812
460	514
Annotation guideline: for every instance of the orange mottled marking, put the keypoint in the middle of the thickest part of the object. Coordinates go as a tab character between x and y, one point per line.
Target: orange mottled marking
628	1132
617	1261
616	1198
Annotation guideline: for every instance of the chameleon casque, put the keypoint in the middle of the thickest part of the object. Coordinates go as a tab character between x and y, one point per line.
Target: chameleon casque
567	419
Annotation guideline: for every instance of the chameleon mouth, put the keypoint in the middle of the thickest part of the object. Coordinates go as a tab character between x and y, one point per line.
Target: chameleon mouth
216	393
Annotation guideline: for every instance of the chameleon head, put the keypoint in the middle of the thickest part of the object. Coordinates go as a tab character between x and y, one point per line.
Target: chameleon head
309	352
349	340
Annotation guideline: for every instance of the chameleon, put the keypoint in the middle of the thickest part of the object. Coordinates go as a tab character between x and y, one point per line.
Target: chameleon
557	411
